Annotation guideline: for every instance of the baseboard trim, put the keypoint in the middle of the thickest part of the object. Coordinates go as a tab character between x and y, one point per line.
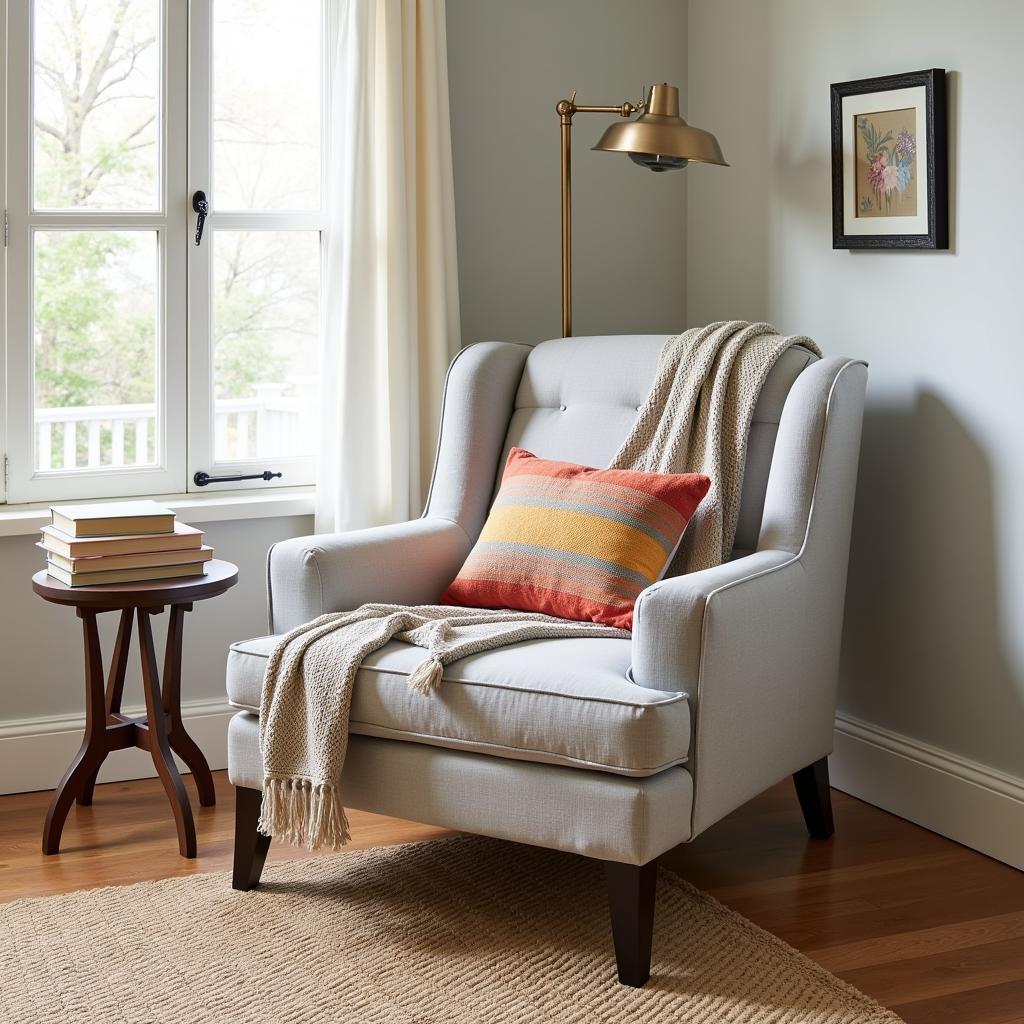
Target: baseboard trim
34	752
968	802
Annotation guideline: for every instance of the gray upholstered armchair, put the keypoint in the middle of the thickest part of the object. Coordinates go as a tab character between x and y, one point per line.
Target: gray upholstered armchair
613	749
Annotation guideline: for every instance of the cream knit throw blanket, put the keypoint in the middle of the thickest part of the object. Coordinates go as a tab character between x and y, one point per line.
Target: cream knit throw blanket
695	420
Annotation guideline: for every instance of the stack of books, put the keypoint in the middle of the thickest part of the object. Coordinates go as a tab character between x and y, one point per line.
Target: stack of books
124	542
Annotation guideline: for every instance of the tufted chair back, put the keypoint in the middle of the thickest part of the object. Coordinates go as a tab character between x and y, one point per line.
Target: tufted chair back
576	399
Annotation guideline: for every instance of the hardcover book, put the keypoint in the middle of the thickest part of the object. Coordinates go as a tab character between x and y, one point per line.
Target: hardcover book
114	519
183	538
158	572
141	560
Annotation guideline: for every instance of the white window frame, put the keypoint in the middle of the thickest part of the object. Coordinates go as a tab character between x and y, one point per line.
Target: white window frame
24	482
184	286
4	461
201	438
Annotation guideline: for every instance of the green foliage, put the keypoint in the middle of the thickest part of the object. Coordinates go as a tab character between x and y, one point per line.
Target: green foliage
874	141
243	359
95	324
244	354
94	337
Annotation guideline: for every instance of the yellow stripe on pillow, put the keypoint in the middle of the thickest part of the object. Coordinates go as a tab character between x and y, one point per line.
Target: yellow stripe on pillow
575	542
578	532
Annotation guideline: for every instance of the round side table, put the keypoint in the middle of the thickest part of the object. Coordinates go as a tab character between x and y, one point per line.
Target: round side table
107	728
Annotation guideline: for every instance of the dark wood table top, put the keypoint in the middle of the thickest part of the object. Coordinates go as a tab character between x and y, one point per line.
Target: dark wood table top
220	576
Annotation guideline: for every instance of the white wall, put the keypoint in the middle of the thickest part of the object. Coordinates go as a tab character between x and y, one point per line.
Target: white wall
933	664
42	695
509	63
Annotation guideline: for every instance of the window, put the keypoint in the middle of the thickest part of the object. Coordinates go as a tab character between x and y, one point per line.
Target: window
136	357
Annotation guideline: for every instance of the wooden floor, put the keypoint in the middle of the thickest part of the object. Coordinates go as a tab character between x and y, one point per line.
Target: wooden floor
927	927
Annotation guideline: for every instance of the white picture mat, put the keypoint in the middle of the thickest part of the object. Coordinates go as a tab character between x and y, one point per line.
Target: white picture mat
869	103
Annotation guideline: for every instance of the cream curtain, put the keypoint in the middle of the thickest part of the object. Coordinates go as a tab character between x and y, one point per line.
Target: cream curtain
391	293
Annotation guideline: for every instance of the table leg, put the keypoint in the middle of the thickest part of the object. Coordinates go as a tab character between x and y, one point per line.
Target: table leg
119	663
81	773
115	688
181	743
160	747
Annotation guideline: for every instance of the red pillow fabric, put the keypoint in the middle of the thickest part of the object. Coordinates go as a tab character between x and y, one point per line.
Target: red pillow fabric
575	542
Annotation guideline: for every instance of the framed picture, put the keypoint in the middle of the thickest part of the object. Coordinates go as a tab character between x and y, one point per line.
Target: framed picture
889	167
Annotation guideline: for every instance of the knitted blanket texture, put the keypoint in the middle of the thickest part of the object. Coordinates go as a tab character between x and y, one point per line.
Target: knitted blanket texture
696	419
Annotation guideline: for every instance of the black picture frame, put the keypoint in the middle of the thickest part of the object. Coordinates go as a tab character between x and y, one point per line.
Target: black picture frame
936	177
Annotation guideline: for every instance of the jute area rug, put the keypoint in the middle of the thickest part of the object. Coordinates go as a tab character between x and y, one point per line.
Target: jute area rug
460	930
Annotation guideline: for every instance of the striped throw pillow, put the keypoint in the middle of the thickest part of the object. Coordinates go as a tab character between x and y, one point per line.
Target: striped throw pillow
575	542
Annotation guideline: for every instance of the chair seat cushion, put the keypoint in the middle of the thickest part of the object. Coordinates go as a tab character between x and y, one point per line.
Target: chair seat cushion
565	701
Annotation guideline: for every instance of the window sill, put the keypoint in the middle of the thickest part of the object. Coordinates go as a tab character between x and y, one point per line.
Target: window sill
24	520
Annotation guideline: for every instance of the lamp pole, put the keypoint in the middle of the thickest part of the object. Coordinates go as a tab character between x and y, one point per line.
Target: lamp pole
566	110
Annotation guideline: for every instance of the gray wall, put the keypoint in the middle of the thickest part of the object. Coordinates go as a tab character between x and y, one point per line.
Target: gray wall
934	644
508	65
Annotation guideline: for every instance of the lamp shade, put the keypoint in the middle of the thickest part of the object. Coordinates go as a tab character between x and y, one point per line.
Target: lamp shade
660	139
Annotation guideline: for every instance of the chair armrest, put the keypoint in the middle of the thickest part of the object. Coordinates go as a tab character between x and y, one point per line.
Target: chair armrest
404	563
670	616
741	639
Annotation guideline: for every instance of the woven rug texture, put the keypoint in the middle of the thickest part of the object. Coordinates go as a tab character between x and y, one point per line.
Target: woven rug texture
456	930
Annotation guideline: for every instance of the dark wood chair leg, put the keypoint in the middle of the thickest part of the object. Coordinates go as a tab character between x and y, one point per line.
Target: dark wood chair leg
815	797
250	845
631	891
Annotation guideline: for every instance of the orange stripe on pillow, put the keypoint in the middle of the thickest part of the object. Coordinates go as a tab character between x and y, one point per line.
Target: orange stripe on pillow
575	542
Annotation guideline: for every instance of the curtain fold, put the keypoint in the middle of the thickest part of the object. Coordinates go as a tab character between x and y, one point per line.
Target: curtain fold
391	318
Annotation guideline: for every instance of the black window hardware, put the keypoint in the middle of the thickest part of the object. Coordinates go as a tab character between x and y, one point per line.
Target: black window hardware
201	479
202	208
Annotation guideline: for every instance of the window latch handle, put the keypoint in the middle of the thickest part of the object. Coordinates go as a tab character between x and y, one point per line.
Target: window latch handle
201	479
202	208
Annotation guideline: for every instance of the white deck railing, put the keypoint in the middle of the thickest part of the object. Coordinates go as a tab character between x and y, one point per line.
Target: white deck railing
266	425
89	437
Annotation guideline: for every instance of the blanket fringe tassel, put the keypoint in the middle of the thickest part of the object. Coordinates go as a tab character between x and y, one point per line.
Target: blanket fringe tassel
426	676
304	813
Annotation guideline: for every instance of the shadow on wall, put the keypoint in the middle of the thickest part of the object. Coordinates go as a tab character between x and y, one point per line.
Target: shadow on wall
922	646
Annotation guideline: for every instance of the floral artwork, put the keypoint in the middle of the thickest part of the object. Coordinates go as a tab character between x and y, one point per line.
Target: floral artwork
885	164
890	162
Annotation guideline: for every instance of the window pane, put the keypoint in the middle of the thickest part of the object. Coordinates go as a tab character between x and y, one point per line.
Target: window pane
266	105
266	310
95	329
95	82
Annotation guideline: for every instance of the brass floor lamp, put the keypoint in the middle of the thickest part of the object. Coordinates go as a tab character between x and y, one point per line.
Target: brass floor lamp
658	139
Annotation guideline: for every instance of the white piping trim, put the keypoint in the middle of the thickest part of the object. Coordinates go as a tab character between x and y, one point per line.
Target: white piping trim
444	404
673	696
694	744
529	754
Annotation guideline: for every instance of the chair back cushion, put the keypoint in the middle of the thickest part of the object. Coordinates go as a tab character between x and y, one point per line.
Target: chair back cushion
578	398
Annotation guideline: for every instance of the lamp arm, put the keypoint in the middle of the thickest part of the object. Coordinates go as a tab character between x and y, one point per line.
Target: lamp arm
566	110
624	109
